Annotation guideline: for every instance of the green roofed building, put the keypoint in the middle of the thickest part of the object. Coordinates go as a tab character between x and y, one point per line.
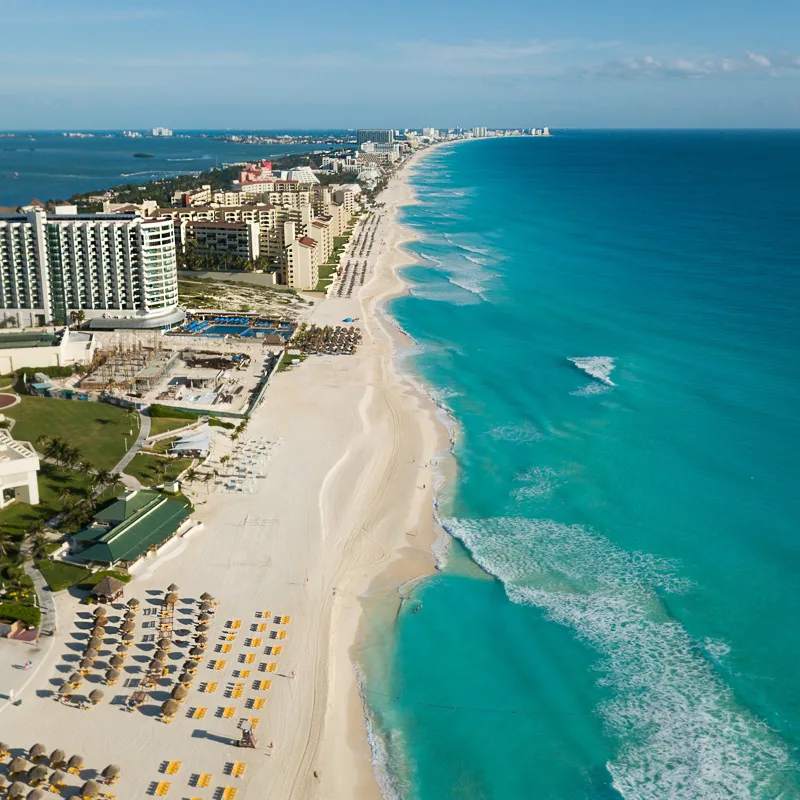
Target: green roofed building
135	524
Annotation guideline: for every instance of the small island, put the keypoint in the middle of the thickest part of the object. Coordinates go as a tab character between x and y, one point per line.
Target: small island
143	155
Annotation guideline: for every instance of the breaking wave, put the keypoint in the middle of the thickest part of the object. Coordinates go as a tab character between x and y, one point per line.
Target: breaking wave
680	732
522	432
599	367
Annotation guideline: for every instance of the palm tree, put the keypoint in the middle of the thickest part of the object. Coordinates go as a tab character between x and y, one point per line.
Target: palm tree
38	546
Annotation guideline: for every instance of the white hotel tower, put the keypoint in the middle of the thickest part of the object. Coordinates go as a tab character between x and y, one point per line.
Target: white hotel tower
120	270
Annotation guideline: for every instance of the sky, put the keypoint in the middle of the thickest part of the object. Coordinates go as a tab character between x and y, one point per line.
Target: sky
188	64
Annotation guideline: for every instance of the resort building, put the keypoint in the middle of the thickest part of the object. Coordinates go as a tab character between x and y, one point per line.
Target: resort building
162	132
18	467
303	175
198	197
348	196
320	231
374	136
240	239
136	524
61	349
107	266
302	257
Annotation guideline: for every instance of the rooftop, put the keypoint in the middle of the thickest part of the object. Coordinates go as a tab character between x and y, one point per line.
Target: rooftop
9	340
12	450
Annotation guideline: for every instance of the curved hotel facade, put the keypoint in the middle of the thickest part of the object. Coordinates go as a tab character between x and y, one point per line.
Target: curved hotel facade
120	270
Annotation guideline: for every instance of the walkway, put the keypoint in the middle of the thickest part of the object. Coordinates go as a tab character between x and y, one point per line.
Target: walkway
46	603
144	432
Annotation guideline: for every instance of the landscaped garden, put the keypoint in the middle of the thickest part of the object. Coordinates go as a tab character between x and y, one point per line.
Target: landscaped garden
152	470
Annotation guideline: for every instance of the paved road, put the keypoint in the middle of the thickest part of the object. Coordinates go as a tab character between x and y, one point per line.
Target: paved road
144	432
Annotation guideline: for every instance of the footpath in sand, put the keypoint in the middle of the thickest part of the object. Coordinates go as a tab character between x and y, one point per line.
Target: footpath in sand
341	508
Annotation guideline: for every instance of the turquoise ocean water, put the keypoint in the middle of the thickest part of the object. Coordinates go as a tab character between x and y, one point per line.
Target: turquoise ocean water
611	319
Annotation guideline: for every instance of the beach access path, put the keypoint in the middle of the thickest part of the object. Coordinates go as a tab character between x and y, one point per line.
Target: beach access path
342	507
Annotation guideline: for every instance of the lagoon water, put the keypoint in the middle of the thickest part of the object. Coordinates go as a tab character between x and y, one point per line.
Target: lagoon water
49	166
611	320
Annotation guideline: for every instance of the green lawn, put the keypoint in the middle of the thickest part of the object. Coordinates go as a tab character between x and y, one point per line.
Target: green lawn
61	576
98	430
20	518
149	469
159	425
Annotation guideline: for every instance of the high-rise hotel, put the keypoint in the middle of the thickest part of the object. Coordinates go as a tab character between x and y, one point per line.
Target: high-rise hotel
120	270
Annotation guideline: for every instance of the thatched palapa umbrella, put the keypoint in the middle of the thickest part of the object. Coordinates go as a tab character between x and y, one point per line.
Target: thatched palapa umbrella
90	653
95	696
129	616
206	606
58	778
100	611
76	678
37	751
17	766
116	661
196	652
37	774
95	643
35	794
204	617
17	790
191	664
90	789
179	693
3	749
57	758
111	773
203	627
128	637
165	644
65	690
3	781
86	663
201	639
156	665
186	678
112	676
160	655
75	762
128	627
133	603
173	587
169	708
122	648
171	599
207	598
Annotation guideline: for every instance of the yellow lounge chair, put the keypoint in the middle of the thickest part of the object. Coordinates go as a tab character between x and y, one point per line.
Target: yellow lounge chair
199	713
204	780
162	789
238	769
228	711
173	767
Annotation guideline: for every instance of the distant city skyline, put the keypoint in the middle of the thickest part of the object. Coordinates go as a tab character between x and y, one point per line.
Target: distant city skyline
568	65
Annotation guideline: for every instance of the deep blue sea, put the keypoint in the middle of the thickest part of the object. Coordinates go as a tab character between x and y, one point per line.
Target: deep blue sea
49	166
611	319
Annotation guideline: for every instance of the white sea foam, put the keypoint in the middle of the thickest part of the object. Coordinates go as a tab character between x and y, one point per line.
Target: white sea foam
540	483
599	367
591	389
522	433
680	732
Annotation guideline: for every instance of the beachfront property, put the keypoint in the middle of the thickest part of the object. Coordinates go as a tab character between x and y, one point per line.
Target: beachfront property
162	132
19	466
240	239
64	348
378	136
198	197
108	267
302	259
136	524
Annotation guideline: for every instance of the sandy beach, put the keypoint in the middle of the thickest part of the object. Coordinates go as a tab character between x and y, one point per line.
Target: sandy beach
345	512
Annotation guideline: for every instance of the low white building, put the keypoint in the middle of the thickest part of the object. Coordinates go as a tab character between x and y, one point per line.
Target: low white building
64	348
18	467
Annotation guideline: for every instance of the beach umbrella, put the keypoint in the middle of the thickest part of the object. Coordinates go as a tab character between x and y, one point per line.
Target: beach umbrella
206	606
37	751
204	617
65	690
206	597
95	696
90	789
110	772
86	663
3	749
112	675
116	661
100	622
122	648
173	587
156	666
186	677
128	637
201	639
179	693
16	790
203	627
94	643
191	664
37	773
169	708
90	653
160	655
75	762
100	611
18	764
128	627
133	603
165	644
196	652
76	678
57	758
36	794
3	781
129	615
171	599
57	778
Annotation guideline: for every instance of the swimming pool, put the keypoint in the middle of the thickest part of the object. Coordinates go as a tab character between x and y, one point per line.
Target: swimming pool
236	330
